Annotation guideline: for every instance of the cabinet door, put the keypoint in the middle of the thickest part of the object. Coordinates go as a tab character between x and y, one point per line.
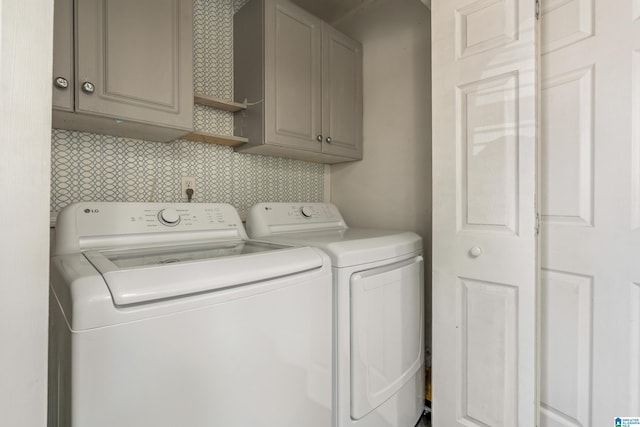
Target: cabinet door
342	94
292	77
138	55
62	97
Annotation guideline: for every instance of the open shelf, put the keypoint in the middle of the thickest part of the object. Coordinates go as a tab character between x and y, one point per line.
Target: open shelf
213	138
218	103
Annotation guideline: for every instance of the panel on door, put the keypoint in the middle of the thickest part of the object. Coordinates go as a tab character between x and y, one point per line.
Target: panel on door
484	231
565	22
342	94
292	77
566	340
590	241
567	150
138	57
387	312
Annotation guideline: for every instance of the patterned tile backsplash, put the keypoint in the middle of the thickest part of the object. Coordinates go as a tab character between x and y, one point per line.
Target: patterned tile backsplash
91	167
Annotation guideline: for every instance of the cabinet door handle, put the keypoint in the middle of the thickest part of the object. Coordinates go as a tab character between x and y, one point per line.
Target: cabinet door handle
328	140
61	83
88	87
319	138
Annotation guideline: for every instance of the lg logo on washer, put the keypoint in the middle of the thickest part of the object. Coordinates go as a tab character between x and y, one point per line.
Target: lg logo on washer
91	211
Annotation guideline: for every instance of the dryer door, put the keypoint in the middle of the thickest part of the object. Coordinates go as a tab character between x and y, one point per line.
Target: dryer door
387	311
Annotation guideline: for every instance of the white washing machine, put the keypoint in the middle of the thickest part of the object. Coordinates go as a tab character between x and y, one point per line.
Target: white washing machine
379	309
166	315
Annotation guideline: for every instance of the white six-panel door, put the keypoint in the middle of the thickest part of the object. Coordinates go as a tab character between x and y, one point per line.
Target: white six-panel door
589	185
484	250
590	199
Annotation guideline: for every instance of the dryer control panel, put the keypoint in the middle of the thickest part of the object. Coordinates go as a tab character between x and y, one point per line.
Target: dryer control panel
266	219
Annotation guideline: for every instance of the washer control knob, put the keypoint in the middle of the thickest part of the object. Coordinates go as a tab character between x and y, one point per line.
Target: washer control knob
169	217
306	212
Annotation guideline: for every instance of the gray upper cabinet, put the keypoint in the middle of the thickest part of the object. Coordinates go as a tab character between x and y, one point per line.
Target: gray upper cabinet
128	71
302	83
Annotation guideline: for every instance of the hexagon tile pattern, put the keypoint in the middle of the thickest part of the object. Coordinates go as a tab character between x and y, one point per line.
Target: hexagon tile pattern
90	167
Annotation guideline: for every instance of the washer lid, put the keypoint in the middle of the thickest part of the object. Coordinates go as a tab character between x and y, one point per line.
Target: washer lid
136	276
355	246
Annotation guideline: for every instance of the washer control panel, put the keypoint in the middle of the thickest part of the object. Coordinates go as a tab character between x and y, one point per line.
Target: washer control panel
88	221
113	218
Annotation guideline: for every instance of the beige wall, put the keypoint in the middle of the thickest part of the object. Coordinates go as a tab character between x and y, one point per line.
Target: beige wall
25	132
391	186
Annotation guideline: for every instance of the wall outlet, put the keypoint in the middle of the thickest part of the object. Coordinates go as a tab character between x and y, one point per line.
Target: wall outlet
187	182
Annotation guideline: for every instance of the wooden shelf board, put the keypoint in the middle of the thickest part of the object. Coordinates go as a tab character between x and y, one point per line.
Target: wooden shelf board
218	103
213	138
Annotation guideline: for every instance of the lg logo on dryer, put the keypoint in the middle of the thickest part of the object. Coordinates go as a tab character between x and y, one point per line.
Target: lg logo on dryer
91	210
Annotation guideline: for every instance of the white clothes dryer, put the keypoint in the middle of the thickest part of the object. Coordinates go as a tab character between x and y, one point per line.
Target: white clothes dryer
166	315
378	312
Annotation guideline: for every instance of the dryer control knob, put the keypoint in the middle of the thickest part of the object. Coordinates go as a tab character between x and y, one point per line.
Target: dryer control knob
306	211
169	217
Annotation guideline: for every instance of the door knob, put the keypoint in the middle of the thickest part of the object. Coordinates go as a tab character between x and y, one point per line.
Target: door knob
475	251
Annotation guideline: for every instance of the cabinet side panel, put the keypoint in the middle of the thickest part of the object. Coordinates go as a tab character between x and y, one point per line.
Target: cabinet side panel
248	71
